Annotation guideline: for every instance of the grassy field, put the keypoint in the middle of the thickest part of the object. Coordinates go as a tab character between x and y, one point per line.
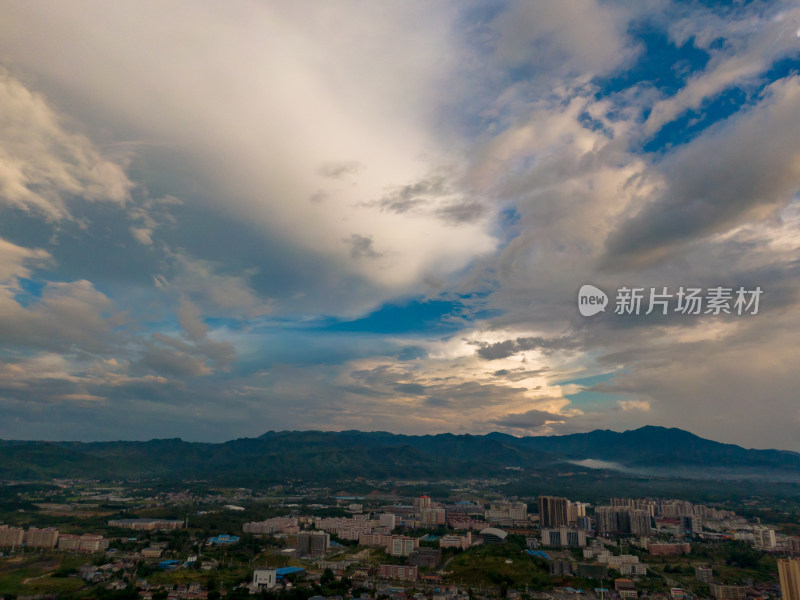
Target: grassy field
493	565
33	574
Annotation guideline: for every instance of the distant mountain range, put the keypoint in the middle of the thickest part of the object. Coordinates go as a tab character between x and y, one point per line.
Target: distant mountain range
320	456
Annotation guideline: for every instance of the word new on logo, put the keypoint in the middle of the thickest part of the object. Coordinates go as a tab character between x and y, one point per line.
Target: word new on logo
591	300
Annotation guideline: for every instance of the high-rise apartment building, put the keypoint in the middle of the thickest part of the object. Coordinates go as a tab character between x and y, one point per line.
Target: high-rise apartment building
313	543
553	511
402	545
432	517
41	538
388	520
764	537
11	537
622	521
563	536
789	575
422	502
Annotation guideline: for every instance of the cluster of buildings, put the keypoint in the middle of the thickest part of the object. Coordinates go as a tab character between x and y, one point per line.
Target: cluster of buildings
395	545
349	528
287	525
49	539
567	524
462	542
614	521
603	560
188	591
376	530
82	543
662	527
665	549
399	572
147	524
507	514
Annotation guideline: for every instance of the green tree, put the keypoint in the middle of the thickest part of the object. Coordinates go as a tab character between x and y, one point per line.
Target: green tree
327	577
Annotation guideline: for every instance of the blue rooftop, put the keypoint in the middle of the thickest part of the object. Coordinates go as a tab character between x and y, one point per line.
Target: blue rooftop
284	571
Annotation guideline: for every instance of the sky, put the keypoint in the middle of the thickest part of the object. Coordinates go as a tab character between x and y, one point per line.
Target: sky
220	219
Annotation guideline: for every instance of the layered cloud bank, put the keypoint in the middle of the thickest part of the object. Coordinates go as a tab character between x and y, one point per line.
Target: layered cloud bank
218	221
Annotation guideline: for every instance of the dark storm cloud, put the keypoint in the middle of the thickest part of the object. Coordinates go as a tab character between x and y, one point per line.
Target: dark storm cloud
461	212
408	197
414	389
519	373
508	348
532	419
437	195
451	393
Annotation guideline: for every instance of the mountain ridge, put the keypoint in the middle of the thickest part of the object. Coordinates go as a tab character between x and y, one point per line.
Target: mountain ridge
329	455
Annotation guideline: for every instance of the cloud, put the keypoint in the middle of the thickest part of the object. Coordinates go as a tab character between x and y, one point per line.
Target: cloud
752	42
143	235
744	170
149	215
468	211
413	389
508	348
83	398
339	169
197	355
54	379
586	38
362	246
201	282
42	166
532	419
370	97
16	261
184	242
68	316
421	193
626	405
191	321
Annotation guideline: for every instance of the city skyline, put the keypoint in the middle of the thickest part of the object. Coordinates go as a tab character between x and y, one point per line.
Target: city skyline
221	220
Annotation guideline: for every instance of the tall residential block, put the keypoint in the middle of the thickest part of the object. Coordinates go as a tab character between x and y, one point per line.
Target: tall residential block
313	543
553	511
789	574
